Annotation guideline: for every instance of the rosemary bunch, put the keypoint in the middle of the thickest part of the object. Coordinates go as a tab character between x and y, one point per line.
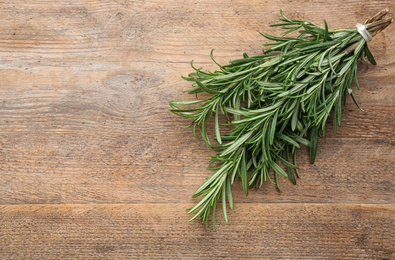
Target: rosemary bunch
278	101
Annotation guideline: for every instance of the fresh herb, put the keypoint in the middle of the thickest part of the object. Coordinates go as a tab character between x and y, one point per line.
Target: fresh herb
278	100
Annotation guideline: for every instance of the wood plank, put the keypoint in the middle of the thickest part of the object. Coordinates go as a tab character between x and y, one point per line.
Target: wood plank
92	31
72	170
270	231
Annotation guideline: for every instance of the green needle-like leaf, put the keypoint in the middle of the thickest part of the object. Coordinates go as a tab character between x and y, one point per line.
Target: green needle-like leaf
273	103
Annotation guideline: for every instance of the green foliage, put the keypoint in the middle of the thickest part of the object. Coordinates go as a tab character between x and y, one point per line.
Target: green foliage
278	101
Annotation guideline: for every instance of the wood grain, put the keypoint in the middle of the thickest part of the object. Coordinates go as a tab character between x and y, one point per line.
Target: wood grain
275	231
93	166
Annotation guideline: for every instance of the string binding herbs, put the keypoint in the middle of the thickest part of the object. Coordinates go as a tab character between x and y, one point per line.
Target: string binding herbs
274	103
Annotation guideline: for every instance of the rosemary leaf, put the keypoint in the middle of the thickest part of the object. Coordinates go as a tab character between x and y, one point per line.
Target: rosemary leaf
279	100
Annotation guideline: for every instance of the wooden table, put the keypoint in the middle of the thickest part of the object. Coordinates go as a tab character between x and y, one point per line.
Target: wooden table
93	165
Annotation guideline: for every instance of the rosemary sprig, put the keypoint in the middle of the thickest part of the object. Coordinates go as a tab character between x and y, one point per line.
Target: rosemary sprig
279	100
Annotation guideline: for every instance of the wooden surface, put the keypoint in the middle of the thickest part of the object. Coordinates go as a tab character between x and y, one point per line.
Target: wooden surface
93	166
